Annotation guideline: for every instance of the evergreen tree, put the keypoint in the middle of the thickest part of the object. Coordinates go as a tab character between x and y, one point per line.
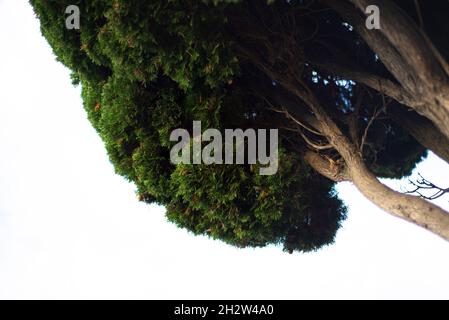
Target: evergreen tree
149	67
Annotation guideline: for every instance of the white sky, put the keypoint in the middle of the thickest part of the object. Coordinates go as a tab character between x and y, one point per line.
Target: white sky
71	228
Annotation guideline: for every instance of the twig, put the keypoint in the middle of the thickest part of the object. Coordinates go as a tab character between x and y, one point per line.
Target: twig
289	116
313	144
418	12
376	114
424	184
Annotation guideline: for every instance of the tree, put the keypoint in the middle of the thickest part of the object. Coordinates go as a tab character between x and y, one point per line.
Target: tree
351	105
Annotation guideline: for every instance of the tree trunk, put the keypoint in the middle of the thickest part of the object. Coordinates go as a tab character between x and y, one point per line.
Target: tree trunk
411	208
408	54
326	167
422	130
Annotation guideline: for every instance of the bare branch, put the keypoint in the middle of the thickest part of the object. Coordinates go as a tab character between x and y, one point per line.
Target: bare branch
289	116
424	184
313	144
375	115
418	12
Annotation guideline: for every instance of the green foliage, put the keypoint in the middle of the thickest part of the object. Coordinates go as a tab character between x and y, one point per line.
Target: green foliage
148	67
295	207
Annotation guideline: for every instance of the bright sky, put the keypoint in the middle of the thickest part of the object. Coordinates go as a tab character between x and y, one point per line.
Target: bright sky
71	228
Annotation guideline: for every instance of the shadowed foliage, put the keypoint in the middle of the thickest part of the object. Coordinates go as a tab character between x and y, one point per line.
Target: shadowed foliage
148	67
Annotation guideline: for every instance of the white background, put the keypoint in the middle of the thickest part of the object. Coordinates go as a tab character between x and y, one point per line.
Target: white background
71	228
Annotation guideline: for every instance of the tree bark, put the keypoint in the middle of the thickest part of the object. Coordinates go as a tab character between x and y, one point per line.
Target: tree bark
407	54
378	83
422	130
411	208
407	207
326	167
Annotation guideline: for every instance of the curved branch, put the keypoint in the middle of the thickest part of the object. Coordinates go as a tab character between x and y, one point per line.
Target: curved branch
407	54
373	81
422	130
326	167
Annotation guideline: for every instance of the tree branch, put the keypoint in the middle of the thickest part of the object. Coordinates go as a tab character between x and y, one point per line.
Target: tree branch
424	184
408	54
327	167
422	130
371	80
406	37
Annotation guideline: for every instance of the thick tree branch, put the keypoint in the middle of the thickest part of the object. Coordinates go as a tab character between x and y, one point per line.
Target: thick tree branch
422	130
410	208
389	55
327	167
407	207
407	38
407	54
371	80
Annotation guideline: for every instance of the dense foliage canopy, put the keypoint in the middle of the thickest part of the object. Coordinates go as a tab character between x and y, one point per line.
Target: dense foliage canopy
148	67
